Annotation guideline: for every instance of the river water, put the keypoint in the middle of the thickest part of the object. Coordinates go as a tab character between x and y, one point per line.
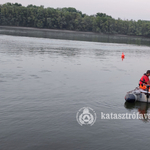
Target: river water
44	83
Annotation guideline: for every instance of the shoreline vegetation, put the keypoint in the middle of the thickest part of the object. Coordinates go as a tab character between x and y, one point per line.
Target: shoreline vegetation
68	20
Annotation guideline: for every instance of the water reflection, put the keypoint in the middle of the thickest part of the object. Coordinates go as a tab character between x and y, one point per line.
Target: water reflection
72	35
142	109
122	58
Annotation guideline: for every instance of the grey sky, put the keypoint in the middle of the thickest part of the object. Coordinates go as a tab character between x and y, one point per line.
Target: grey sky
124	9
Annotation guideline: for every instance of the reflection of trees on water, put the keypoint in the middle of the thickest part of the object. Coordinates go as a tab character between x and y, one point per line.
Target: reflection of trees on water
99	53
63	51
32	49
52	51
142	109
72	35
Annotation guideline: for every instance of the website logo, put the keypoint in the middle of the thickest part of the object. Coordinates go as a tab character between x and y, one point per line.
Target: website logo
86	116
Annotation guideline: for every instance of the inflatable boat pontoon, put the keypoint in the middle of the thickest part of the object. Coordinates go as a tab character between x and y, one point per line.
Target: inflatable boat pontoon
138	95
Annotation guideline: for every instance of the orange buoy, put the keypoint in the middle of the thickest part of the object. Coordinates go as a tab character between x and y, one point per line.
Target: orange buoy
122	56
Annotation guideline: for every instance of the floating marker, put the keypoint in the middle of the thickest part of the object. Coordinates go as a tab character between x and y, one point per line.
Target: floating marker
122	56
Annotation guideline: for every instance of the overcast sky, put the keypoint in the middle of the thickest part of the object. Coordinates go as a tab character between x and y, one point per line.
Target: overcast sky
124	9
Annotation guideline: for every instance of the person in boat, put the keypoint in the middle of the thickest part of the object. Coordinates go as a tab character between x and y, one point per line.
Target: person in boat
144	81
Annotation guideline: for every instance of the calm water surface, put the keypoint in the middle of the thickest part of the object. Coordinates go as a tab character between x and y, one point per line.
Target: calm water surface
44	82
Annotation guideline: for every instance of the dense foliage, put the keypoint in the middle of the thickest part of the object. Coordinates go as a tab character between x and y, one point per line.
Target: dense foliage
69	19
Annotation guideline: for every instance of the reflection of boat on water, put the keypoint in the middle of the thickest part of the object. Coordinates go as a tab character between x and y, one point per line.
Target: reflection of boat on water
137	105
142	109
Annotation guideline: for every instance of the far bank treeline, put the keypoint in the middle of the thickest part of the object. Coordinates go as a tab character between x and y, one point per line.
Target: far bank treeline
69	19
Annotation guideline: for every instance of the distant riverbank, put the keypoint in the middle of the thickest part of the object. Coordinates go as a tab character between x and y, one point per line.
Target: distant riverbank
73	35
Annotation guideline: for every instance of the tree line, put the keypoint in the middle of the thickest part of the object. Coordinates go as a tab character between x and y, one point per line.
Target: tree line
69	19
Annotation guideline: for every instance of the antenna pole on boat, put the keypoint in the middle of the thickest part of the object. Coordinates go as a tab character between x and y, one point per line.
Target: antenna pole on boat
147	92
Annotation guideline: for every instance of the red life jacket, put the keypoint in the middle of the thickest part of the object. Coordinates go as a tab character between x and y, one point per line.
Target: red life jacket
144	79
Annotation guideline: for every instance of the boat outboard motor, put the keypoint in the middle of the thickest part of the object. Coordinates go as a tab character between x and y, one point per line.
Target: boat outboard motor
130	97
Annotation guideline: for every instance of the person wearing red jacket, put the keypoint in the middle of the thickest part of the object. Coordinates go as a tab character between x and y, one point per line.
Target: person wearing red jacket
144	81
